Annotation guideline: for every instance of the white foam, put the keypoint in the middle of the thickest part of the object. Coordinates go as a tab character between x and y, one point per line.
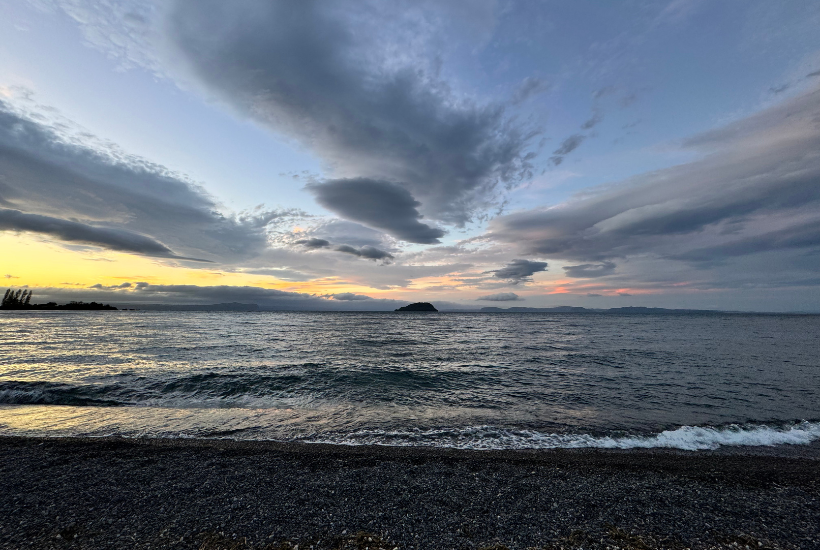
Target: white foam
689	438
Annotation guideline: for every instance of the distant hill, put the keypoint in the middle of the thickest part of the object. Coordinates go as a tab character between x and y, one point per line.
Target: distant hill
518	309
418	306
231	306
618	310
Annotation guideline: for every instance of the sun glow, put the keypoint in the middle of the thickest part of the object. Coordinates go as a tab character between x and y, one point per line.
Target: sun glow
37	262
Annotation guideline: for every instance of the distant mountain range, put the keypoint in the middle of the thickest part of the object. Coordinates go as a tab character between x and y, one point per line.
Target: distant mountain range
232	306
571	309
236	306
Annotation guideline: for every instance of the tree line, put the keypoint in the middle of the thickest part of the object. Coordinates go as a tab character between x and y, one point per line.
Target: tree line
21	299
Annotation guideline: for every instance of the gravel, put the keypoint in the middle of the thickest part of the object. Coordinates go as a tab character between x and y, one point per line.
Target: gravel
209	495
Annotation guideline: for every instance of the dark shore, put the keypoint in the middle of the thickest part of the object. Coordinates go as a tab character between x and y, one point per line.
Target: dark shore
117	493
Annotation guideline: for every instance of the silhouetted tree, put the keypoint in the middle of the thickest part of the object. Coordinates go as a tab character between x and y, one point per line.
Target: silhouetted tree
16	300
22	300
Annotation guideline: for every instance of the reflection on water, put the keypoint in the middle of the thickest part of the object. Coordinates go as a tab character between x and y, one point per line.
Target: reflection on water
329	375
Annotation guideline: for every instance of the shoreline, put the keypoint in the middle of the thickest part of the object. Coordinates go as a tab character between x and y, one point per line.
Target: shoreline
113	492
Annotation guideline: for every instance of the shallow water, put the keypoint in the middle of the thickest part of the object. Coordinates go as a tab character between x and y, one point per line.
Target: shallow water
465	380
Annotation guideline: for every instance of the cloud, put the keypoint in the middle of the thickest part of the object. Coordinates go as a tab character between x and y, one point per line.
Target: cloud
314	243
567	146
529	87
349	297
59	181
336	80
353	234
99	286
501	297
144	294
780	89
519	270
590	270
378	204
593	121
805	235
753	190
367	252
70	231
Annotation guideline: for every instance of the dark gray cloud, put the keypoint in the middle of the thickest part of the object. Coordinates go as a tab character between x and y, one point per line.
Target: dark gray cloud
813	74
193	294
367	252
518	271
378	204
317	72
349	297
501	297
75	232
569	145
314	243
590	271
754	190
805	235
85	193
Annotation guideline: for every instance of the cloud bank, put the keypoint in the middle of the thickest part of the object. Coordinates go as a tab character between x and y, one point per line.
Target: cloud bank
590	270
754	190
81	192
317	72
75	232
142	294
519	271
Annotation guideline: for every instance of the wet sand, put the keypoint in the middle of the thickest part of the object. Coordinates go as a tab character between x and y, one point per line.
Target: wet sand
205	494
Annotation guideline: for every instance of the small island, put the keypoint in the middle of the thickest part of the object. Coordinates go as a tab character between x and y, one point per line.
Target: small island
418	306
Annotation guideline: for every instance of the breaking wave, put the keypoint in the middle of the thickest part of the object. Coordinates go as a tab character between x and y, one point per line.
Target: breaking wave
688	438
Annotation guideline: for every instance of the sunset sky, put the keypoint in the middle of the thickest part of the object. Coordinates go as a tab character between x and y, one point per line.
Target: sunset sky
360	155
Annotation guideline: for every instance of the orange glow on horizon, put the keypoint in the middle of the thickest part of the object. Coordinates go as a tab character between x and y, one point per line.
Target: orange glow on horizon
36	262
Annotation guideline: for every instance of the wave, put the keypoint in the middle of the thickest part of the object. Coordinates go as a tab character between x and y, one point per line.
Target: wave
55	393
688	438
287	385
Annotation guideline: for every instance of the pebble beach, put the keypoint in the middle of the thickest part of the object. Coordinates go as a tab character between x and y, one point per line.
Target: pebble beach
211	494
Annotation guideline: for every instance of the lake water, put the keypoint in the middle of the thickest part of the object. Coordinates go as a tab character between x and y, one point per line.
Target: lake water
469	380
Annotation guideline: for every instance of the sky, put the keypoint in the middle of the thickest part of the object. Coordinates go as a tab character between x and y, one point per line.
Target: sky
366	154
